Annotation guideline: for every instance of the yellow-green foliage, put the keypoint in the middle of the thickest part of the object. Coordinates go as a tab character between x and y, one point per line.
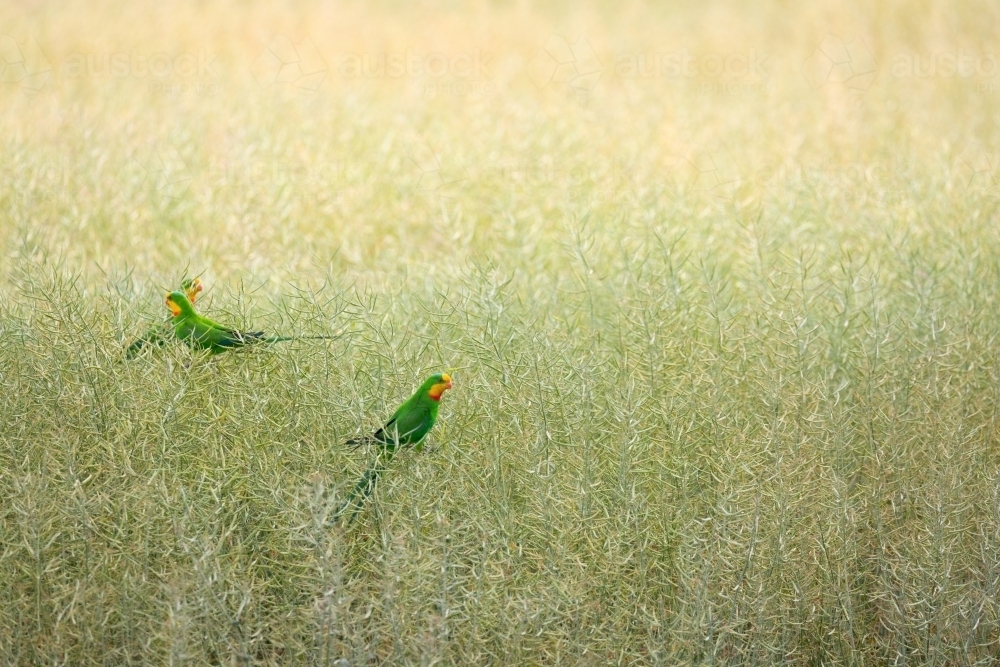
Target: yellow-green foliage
717	282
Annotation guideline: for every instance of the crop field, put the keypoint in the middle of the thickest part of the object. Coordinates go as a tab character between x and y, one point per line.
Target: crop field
718	285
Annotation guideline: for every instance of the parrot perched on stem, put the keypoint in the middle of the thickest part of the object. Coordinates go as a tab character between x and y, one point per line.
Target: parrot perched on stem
408	426
202	333
159	334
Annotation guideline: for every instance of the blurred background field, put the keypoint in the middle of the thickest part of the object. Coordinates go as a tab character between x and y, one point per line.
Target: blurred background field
718	282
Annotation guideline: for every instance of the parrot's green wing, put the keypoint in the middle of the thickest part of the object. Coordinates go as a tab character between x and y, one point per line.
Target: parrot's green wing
409	425
210	335
201	332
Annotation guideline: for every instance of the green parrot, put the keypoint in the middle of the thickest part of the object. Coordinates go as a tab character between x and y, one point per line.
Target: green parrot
202	333
408	426
158	335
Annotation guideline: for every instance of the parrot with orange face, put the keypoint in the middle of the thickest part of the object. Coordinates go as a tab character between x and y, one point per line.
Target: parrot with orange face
161	333
407	427
202	333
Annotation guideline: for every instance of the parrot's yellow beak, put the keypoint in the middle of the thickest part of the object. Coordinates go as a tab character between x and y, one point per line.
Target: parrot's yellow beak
447	380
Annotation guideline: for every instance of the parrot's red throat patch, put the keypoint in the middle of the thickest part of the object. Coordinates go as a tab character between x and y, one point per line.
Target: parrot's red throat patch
175	310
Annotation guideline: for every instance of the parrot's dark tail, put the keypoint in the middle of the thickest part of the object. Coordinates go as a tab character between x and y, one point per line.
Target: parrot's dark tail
151	338
135	348
351	507
361	440
282	339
